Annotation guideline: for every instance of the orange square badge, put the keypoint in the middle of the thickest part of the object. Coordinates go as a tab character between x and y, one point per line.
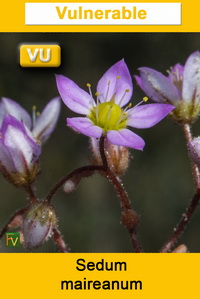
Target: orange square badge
40	55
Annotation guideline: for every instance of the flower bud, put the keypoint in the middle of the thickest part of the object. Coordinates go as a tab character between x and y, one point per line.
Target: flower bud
180	249
70	185
118	157
19	152
194	148
180	88
38	224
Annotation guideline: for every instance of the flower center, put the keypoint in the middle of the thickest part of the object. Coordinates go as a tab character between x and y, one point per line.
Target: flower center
176	75
108	116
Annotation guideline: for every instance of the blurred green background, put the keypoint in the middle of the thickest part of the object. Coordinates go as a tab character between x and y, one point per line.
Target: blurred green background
158	180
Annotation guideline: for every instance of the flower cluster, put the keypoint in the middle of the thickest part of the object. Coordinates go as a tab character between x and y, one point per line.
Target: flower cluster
180	88
107	115
106	120
21	139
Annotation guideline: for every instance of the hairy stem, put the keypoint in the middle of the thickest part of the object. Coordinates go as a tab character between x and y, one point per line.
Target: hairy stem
58	238
130	219
179	229
102	152
79	173
195	170
181	226
29	190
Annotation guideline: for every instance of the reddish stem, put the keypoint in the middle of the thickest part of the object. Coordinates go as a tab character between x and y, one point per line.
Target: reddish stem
130	219
58	238
31	194
195	169
186	217
179	229
79	173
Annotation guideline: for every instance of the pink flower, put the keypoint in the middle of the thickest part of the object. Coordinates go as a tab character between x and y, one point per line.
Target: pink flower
21	139
180	88
107	115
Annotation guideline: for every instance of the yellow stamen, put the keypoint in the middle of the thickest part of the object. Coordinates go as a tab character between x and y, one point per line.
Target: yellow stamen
89	87
127	90
145	99
127	107
107	90
106	115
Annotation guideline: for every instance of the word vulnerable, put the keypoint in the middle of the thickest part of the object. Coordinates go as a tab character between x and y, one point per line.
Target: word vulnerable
115	14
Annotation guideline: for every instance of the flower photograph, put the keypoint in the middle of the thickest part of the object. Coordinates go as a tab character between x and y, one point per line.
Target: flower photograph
102	153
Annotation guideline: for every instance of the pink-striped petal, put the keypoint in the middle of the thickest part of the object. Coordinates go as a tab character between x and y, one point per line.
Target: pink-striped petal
84	126
191	78
146	116
73	96
126	138
117	83
176	73
6	161
138	81
47	120
158	87
22	148
10	107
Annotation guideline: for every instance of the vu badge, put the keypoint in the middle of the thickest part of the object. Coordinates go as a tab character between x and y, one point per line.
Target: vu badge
40	55
12	239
